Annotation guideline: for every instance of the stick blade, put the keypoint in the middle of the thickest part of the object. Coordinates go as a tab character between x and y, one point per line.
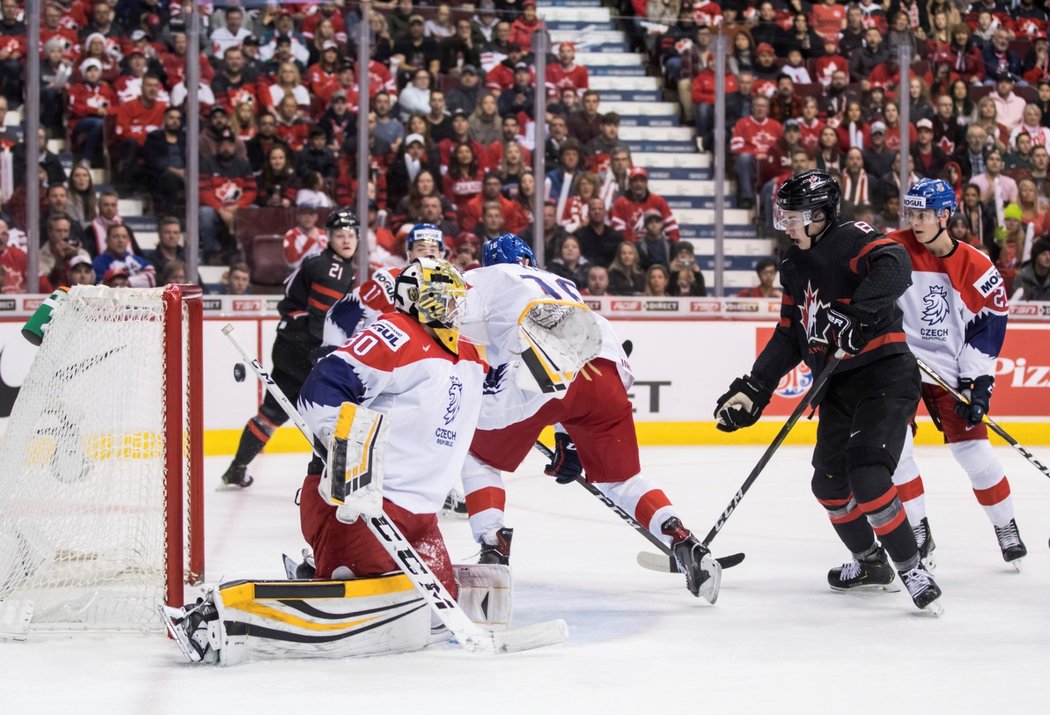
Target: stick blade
537	635
666	564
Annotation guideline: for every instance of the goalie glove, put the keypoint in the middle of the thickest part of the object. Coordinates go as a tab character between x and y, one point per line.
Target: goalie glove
742	404
565	465
979	391
846	325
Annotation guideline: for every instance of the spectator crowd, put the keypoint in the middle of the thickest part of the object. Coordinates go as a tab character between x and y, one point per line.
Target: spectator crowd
818	85
451	123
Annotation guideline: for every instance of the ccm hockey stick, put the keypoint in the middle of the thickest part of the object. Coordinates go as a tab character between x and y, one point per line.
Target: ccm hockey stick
664	561
467	633
992	424
814	389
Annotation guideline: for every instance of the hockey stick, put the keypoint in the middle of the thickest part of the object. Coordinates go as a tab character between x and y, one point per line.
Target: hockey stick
815	388
992	424
664	561
467	633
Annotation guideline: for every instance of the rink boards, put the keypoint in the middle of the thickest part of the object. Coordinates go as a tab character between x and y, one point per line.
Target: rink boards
686	352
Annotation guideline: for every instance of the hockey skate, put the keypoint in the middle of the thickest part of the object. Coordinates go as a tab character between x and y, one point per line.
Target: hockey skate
237	477
1011	545
195	629
455	504
498	553
295	571
924	538
869	574
703	575
923	589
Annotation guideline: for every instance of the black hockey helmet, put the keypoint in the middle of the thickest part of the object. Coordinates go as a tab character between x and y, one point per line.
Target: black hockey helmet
341	218
811	191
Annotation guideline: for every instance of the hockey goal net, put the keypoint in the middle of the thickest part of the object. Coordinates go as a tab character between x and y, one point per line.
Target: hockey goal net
101	516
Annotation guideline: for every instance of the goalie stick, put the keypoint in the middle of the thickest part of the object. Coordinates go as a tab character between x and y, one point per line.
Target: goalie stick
664	561
992	424
467	633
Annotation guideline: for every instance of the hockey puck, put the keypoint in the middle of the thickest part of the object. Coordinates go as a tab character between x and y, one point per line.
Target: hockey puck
239	372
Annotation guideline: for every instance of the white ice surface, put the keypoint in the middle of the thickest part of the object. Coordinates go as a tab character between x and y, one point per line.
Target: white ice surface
777	641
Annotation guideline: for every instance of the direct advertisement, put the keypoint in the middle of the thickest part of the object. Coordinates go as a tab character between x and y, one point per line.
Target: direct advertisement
680	369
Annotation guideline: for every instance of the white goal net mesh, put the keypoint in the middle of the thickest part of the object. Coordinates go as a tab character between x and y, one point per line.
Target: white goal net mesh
82	471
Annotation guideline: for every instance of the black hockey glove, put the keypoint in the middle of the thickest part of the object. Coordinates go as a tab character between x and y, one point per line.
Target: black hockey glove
565	465
741	405
847	328
979	390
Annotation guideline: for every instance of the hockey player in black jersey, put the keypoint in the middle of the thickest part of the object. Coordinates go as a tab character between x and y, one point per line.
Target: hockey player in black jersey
315	286
841	281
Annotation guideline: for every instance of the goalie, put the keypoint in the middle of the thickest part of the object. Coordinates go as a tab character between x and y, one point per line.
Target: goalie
393	411
556	361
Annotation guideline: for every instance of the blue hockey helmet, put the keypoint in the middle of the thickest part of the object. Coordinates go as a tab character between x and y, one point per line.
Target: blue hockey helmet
933	194
508	248
426	233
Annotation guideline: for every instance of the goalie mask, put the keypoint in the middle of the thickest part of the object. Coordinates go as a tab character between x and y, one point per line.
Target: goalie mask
432	291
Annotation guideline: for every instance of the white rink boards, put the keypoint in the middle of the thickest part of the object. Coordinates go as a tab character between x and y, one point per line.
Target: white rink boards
778	639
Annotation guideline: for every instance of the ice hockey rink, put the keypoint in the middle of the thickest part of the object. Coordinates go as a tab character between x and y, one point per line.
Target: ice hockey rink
777	641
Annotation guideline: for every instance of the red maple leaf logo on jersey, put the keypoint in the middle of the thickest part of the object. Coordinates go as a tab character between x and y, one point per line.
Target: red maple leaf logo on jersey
810	309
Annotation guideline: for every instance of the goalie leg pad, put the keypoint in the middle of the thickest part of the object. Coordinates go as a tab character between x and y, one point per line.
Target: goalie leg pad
557	339
353	478
485	593
281	620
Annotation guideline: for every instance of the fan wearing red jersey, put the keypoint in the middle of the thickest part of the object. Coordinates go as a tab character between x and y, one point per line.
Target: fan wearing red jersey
955	315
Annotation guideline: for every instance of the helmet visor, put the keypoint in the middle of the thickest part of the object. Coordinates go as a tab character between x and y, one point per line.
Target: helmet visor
784	220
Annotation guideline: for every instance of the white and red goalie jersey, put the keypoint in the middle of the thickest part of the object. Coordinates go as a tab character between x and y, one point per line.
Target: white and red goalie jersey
431	397
955	311
360	307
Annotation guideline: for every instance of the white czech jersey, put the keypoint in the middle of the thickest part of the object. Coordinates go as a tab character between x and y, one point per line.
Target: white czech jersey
360	307
955	311
497	297
431	397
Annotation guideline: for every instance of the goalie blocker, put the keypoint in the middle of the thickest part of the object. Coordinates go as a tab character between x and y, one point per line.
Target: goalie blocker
245	621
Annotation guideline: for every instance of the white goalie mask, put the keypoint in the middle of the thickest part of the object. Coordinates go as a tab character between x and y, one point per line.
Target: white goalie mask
432	292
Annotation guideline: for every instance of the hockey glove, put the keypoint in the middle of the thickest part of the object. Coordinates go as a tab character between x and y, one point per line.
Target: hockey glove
741	405
847	328
565	465
979	390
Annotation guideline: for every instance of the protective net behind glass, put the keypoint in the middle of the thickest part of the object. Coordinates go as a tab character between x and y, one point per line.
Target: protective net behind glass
82	476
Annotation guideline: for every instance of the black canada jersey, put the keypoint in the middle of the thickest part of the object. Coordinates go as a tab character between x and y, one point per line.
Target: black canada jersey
851	263
315	286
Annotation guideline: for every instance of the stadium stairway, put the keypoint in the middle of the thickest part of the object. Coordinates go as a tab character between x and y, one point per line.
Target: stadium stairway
652	127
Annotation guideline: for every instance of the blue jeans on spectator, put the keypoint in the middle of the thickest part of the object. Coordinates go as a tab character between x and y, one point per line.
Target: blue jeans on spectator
673	68
90	129
705	124
746	168
209	226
